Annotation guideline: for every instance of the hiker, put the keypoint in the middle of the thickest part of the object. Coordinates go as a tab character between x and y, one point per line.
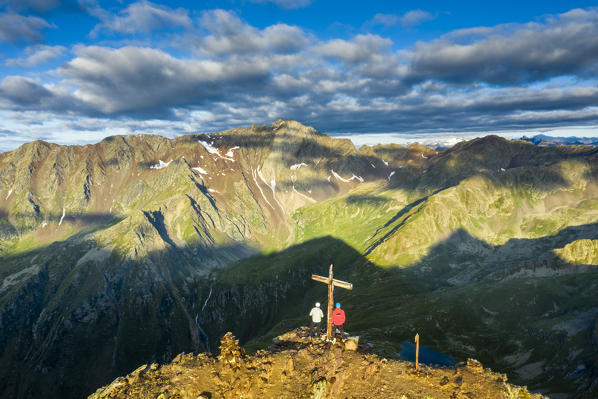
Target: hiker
338	319
316	320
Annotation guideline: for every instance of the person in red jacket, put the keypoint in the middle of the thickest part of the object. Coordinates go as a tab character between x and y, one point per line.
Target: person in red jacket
338	319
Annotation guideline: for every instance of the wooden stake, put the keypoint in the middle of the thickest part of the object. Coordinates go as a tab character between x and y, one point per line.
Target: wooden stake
416	352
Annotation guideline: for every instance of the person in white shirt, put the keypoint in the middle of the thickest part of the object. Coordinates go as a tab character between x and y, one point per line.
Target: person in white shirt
316	320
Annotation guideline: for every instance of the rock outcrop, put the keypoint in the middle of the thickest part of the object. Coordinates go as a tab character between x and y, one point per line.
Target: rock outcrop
298	367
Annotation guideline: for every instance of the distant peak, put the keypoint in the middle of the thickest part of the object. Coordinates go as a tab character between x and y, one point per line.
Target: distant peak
293	126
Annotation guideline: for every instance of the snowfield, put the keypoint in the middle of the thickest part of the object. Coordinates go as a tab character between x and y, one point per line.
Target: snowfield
298	165
200	170
160	165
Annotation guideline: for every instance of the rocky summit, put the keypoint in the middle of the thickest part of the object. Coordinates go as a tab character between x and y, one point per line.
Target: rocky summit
138	248
297	367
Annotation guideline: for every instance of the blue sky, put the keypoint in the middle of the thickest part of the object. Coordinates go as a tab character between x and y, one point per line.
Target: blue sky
75	71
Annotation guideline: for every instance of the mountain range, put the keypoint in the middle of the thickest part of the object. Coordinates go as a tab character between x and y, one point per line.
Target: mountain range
545	140
138	248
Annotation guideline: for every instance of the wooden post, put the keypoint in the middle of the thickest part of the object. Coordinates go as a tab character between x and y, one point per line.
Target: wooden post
416	352
330	300
331	284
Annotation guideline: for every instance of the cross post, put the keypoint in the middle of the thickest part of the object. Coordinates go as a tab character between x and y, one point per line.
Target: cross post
331	284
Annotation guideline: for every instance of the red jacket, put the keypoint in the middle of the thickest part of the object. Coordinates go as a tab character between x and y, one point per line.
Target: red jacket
338	317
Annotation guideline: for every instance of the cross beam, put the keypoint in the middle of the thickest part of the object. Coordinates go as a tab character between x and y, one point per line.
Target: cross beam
336	283
331	284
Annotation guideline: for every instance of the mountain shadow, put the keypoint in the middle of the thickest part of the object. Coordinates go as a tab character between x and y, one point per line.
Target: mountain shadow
78	315
517	307
85	315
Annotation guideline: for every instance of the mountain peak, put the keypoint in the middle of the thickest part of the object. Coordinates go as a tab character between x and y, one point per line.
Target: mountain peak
297	366
294	127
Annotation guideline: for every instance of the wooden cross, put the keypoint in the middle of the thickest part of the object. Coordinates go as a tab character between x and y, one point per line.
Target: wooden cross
331	284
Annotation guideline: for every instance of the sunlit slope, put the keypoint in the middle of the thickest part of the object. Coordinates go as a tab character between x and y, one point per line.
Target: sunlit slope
398	225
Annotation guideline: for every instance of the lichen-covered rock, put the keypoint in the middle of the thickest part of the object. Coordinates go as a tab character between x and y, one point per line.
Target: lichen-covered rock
352	343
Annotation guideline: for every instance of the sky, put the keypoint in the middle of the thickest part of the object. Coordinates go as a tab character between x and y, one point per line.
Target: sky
76	71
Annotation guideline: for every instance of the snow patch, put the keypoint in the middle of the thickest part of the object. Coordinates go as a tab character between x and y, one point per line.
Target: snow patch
44	224
9	193
298	165
62	217
260	188
230	152
502	169
272	187
212	150
354	177
160	165
373	166
390	175
200	170
338	176
385	163
424	157
213	191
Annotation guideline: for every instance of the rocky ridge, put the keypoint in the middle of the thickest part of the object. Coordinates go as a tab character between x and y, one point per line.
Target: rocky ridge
300	367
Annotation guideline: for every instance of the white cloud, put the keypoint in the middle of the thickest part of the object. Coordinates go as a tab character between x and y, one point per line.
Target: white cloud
22	91
37	55
140	17
415	17
514	53
35	5
288	4
133	79
387	20
360	49
15	28
229	35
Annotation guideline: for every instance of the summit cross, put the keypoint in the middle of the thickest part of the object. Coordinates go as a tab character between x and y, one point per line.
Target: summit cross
331	284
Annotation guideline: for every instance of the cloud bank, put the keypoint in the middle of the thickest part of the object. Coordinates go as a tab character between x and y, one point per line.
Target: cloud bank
219	71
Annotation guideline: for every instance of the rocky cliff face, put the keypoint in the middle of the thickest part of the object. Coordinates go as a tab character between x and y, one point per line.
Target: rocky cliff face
137	248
